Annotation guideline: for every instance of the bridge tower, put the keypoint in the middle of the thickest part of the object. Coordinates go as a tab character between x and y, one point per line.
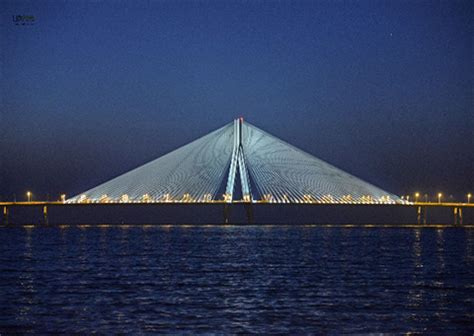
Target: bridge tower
238	162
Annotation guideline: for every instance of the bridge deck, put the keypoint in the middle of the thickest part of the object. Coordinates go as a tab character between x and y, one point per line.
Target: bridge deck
56	203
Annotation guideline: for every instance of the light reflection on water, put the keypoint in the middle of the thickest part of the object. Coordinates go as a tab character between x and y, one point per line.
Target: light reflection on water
236	279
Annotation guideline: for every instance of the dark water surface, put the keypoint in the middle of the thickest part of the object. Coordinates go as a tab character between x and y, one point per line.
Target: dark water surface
236	279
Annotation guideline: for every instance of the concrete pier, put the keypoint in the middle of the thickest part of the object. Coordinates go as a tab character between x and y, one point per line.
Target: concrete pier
5	215
45	215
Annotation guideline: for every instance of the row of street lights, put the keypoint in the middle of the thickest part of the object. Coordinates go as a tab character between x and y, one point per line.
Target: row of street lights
29	196
440	196
407	197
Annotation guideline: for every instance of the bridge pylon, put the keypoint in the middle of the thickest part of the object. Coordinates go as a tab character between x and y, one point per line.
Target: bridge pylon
238	162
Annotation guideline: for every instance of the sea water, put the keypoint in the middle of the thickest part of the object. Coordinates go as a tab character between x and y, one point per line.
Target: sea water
178	279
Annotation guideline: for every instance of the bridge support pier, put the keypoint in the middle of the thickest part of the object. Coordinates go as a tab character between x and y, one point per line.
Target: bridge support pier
249	211
45	215
226	213
457	212
5	215
421	214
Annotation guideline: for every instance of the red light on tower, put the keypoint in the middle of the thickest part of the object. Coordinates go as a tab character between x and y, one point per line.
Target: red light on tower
241	119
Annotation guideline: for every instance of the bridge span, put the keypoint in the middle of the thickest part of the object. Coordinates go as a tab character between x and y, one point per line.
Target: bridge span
273	174
422	213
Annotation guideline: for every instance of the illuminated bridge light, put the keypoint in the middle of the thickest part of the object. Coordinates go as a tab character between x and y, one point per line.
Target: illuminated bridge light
308	198
269	170
206	198
346	199
329	199
187	198
267	198
166	198
104	199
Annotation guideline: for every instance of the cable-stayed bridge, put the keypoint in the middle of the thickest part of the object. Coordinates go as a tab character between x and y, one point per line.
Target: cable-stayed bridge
237	163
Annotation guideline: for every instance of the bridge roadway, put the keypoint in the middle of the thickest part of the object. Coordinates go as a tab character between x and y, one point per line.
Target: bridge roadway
421	208
47	203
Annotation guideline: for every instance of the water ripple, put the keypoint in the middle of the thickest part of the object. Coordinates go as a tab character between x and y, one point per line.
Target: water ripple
235	279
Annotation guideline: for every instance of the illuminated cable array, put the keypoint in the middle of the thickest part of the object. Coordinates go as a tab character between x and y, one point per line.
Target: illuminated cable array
191	173
280	172
283	173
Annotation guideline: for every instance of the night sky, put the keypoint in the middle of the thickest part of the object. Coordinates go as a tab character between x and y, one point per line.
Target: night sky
381	89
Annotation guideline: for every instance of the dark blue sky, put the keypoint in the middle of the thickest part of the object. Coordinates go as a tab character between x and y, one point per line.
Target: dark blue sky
382	89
